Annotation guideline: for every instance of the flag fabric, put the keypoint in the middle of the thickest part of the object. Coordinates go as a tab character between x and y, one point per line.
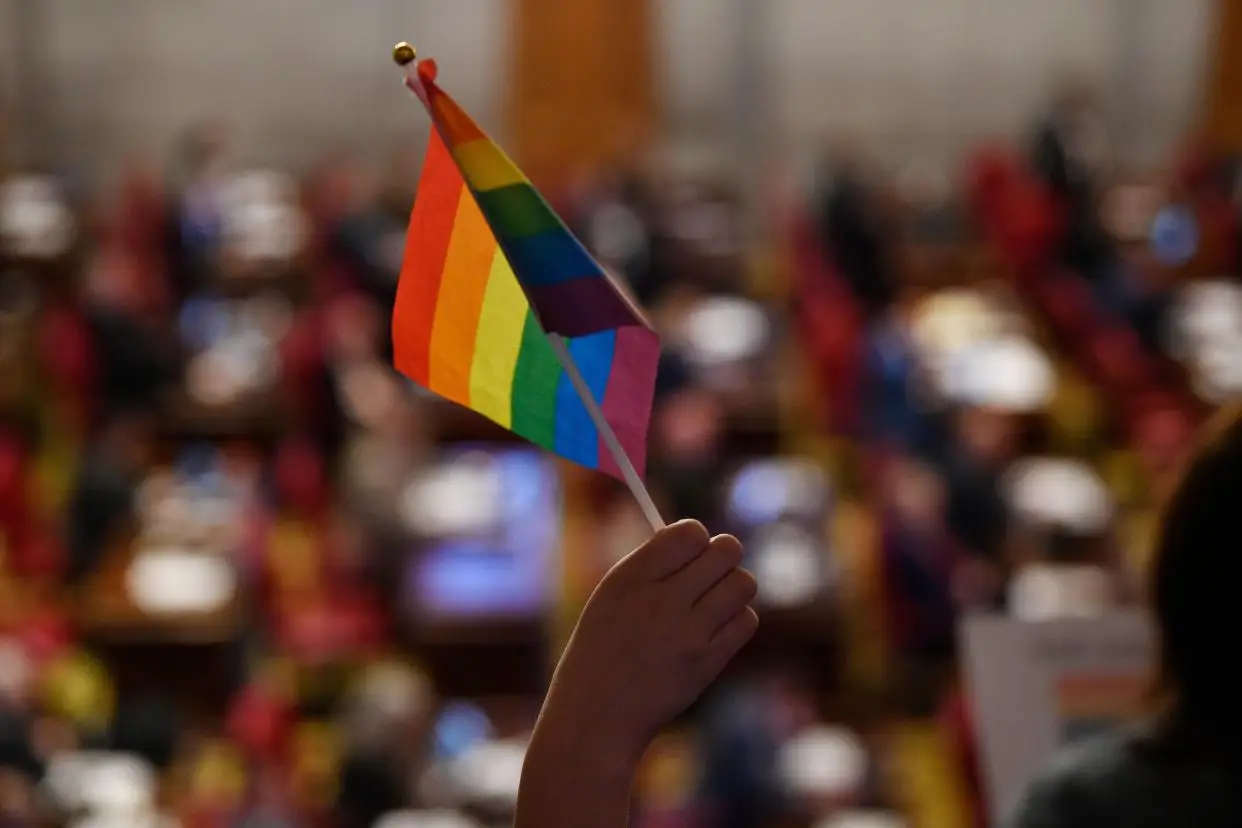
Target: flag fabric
489	271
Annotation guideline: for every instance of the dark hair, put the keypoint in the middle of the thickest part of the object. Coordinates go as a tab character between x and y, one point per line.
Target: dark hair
1196	586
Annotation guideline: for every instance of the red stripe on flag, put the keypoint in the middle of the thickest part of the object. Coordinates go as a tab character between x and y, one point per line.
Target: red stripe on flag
426	246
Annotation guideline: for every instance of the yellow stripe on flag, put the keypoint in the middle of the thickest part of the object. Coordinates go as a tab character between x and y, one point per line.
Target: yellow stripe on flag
485	166
499	341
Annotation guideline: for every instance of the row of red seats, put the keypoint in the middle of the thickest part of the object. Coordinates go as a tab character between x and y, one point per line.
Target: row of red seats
1024	221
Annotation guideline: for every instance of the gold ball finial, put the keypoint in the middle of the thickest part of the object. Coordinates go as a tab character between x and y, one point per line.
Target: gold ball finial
403	54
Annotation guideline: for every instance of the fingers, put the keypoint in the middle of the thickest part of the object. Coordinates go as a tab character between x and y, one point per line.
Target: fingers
722	556
671	549
728	597
731	638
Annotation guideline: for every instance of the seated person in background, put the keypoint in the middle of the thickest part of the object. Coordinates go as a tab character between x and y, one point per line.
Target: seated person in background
656	632
896	416
1069	149
852	229
1184	765
197	228
135	352
976	510
918	558
103	497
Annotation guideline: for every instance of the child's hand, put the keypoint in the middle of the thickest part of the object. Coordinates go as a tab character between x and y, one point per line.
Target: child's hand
658	629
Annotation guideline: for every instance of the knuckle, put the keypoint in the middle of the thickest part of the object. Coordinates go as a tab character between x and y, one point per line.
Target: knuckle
689	533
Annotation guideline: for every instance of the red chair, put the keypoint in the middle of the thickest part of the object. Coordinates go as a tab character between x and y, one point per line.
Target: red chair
15	511
1030	227
65	353
1068	304
1120	361
40	556
301	479
260	722
301	364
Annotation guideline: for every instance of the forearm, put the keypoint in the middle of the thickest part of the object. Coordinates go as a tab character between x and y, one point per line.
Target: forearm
568	782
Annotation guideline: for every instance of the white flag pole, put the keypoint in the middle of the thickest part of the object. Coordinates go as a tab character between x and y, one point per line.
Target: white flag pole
628	472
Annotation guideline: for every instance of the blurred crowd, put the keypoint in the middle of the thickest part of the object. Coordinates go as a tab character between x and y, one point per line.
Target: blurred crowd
251	577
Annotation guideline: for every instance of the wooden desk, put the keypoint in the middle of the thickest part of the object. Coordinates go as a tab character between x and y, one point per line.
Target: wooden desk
193	659
106	611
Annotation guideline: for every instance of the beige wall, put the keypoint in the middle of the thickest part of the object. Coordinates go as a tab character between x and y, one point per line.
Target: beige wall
908	76
929	75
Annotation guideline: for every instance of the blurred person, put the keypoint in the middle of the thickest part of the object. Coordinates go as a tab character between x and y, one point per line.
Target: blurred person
17	749
377	467
741	786
1163	436
17	801
103	497
919	557
1183	764
197	231
977	512
261	715
135	351
894	413
1138	289
617	226
745	727
1069	152
852	226
658	629
1072	141
133	236
386	722
369	232
147	727
375	769
267	802
688	461
309	373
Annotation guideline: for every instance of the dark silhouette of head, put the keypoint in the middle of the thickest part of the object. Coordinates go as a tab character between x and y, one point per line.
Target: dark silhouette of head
1195	586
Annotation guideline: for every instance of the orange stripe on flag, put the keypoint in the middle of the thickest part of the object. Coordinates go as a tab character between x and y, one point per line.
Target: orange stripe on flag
426	246
455	329
458	127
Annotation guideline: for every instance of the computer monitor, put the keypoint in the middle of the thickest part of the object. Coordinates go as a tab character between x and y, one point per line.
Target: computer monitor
490	519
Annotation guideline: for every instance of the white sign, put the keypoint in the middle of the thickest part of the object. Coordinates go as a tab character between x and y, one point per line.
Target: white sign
1035	686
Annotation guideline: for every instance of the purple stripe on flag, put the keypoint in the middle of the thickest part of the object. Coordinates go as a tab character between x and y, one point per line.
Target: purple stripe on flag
629	395
582	306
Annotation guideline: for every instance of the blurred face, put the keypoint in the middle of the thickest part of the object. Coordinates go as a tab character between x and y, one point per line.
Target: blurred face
14	794
918	494
690	424
987	435
135	443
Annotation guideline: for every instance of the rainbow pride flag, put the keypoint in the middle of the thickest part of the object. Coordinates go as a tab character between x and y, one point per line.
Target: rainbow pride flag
489	272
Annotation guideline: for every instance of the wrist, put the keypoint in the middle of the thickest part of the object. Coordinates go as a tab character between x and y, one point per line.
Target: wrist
572	779
584	750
